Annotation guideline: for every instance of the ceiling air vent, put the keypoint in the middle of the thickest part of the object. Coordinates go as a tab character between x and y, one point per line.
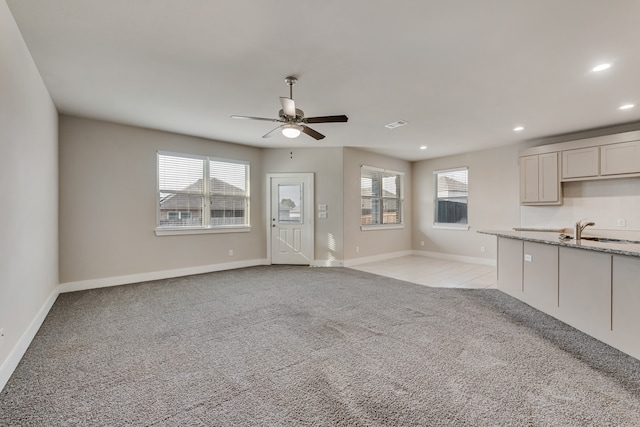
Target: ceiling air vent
396	124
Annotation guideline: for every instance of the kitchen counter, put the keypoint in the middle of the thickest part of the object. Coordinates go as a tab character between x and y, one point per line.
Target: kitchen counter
590	285
553	238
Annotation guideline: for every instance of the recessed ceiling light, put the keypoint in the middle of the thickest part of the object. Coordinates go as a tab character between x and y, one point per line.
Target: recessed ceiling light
627	106
424	147
601	67
518	128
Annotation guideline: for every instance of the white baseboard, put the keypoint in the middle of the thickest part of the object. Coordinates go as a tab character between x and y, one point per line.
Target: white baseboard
327	263
376	258
459	258
155	275
11	363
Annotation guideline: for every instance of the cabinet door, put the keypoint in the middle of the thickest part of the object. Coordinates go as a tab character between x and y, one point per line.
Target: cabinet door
510	266
580	163
585	291
529	179
625	323
540	276
548	183
620	158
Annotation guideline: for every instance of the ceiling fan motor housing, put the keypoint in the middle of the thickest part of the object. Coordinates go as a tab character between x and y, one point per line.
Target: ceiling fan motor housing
298	118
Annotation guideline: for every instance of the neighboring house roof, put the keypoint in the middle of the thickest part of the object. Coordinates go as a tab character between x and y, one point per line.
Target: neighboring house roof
450	186
226	197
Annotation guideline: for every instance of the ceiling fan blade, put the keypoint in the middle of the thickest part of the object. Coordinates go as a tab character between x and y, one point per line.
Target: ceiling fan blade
271	132
288	106
312	133
326	119
255	118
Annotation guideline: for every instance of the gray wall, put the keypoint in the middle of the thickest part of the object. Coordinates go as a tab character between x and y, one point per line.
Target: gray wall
373	243
493	202
326	164
108	203
29	176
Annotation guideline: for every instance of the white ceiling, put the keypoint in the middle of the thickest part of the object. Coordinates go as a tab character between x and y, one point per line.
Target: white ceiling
463	73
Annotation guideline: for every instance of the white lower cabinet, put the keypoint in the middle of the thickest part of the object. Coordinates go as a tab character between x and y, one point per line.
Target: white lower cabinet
584	281
510	266
625	322
595	292
540	276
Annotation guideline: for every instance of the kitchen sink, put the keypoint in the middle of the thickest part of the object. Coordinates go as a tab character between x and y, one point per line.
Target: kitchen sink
609	240
601	239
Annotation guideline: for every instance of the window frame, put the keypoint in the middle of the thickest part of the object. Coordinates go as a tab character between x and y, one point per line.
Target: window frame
207	194
436	199
382	173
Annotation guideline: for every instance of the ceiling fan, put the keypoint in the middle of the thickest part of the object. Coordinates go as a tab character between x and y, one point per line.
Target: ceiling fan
293	120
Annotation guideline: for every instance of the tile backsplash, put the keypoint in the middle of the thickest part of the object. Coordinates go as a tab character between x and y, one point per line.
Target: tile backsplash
603	201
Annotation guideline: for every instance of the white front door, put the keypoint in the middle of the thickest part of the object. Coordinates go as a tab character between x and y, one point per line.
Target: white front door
291	218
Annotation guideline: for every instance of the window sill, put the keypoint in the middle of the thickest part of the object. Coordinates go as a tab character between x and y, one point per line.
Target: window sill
441	226
202	230
381	227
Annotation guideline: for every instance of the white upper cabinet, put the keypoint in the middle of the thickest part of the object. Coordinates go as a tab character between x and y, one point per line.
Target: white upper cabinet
544	167
620	158
539	183
581	163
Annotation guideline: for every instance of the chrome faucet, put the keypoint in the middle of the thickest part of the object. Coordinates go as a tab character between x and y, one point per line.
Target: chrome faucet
579	228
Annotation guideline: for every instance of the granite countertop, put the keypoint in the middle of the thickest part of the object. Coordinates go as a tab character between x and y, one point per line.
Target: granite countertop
553	238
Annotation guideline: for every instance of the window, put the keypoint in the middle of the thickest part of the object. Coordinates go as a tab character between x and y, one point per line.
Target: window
381	197
451	197
196	192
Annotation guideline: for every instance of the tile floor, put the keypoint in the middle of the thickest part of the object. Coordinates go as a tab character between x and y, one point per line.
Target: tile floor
434	272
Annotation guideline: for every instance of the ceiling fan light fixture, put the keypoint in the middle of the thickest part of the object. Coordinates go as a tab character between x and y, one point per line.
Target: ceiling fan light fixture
291	131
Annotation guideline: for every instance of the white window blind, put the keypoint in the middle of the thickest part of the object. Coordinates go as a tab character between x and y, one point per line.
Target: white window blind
228	192
202	192
381	196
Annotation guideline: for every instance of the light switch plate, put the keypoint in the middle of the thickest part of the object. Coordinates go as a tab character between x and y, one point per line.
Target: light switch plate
322	214
322	207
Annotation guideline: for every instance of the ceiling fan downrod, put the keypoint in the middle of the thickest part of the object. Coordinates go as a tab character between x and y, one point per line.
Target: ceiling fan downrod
290	80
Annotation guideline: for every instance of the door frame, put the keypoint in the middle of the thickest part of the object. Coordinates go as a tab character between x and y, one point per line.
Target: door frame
309	199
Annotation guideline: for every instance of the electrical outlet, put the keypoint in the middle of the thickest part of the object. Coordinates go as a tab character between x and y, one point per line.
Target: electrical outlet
421	242
1	336
482	249
230	252
527	257
622	223
357	249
